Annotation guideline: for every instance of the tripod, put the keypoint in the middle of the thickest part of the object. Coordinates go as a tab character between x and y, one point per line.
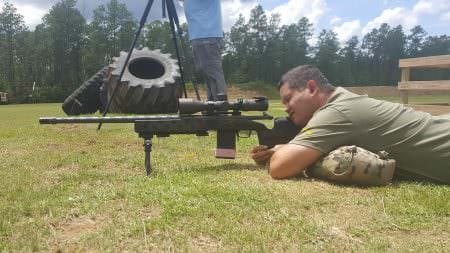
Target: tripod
174	27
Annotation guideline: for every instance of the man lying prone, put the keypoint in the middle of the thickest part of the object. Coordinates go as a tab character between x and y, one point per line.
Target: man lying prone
334	117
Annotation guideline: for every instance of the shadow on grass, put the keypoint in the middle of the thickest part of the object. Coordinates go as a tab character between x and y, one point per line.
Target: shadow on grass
243	167
423	181
229	167
206	169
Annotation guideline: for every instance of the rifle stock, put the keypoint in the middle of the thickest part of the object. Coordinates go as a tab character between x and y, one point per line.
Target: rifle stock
282	132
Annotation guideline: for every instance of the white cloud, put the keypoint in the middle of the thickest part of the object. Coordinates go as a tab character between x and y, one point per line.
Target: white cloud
393	17
293	10
423	7
32	15
426	7
445	17
314	40
347	30
334	20
409	18
231	10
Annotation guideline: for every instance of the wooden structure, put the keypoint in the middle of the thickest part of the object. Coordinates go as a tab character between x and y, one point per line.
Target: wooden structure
3	97
432	62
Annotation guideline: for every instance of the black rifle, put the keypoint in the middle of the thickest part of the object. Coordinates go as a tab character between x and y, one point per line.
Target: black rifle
225	117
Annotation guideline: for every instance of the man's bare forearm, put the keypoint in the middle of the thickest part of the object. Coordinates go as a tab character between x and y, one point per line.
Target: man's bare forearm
290	160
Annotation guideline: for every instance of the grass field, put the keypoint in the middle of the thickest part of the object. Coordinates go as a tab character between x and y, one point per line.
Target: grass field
73	189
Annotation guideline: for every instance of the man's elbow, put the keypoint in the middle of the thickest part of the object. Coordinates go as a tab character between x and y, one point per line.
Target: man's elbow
282	169
290	160
275	174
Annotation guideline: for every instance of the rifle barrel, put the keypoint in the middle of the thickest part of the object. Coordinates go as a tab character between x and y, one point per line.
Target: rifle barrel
116	119
134	119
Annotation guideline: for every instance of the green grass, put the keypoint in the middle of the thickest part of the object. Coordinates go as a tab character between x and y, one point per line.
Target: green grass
71	188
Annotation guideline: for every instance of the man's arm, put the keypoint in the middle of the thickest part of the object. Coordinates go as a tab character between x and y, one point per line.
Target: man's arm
290	160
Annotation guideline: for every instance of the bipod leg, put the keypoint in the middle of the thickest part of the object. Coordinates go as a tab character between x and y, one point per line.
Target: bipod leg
147	151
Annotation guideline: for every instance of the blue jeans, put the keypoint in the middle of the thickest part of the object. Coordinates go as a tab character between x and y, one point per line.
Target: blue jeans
208	62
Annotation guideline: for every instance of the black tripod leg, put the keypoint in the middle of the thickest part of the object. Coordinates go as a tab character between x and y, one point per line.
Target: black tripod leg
197	94
176	23
173	20
147	151
136	37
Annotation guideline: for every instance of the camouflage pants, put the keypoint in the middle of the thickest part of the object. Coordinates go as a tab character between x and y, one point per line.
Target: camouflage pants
354	165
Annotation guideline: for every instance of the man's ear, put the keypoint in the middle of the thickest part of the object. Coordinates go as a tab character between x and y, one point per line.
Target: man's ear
311	85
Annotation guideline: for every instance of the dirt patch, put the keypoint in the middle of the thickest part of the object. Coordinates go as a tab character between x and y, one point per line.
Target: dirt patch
54	146
8	152
54	175
70	232
150	213
418	239
204	243
74	167
91	142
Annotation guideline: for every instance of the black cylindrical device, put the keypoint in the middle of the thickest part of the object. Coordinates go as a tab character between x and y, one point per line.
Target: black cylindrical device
191	106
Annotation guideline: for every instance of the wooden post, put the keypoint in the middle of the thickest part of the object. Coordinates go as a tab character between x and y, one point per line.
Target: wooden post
405	78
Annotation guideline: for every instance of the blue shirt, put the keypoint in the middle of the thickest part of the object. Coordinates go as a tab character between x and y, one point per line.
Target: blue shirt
204	18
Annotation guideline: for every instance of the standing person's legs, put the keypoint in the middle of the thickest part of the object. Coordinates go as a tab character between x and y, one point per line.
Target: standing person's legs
208	62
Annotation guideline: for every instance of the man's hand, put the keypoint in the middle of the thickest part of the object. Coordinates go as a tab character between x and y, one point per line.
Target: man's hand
262	154
286	160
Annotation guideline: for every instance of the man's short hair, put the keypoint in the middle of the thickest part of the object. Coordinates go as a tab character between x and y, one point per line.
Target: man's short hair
297	78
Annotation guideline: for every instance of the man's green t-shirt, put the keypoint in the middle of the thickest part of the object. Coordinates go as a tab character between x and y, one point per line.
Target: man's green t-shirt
419	142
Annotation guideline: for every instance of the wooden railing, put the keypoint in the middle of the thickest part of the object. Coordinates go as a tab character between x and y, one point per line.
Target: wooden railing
432	62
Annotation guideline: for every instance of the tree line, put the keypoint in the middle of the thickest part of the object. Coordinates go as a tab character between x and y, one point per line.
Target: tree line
65	49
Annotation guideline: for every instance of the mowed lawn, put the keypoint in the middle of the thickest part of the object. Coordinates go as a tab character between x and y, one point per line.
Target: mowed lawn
75	189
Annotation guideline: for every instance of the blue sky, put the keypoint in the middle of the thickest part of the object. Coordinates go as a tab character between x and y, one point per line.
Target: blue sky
346	17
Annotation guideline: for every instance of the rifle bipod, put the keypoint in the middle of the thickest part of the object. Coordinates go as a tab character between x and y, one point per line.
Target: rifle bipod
147	152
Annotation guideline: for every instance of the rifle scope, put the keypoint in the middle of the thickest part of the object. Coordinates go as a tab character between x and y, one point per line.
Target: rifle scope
190	106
